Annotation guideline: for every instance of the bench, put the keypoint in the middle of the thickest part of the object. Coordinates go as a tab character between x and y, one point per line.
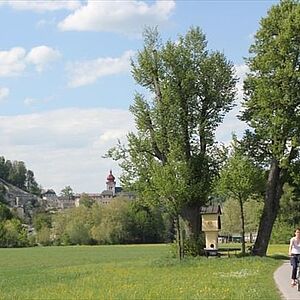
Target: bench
217	252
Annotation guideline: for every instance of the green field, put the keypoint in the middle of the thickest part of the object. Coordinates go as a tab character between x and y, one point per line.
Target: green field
132	272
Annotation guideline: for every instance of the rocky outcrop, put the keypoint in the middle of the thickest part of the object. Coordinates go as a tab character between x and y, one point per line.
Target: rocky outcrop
19	200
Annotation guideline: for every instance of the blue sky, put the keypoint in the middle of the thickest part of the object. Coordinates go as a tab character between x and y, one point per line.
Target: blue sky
65	83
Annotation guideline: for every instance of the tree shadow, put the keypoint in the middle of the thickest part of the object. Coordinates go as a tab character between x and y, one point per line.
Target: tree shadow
279	256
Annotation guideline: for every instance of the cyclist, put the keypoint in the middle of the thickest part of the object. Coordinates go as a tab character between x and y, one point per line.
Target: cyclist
294	253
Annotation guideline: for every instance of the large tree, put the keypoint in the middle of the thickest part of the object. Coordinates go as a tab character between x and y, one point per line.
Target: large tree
189	90
272	105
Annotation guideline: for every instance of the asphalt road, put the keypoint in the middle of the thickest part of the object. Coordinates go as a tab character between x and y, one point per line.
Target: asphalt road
282	278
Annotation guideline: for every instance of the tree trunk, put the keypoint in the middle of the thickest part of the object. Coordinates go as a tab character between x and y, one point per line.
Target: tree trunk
243	227
191	214
270	210
179	238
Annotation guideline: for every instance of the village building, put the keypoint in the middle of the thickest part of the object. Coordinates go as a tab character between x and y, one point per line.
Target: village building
105	197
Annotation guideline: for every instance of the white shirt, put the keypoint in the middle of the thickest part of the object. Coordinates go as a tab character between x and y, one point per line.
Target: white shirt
295	246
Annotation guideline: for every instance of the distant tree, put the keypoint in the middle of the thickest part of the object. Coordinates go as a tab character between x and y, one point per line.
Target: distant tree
78	233
143	224
31	184
17	174
288	216
67	192
42	220
231	220
2	193
59	225
253	211
8	166
86	200
14	234
4	170
240	179
5	213
289	211
271	106
73	226
43	236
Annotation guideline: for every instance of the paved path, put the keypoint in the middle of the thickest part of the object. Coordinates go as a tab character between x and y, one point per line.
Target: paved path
282	278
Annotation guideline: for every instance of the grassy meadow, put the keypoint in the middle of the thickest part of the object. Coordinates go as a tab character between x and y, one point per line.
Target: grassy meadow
133	272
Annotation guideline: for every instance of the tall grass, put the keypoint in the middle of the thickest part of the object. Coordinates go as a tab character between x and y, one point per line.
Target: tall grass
131	272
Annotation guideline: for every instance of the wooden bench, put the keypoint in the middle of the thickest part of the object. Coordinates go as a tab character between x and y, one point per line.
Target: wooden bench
229	249
217	252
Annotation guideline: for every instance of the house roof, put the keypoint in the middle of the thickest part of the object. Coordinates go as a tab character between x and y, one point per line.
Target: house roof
107	192
212	209
50	191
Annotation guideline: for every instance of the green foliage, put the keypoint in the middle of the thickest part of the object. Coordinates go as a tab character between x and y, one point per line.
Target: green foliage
86	200
72	226
192	246
31	185
67	191
271	105
120	221
2	193
13	234
289	212
43	236
282	232
16	173
240	179
42	220
253	210
5	213
173	157
272	87
144	224
231	219
288	217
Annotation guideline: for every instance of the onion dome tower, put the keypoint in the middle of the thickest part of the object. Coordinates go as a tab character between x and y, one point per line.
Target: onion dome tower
110	183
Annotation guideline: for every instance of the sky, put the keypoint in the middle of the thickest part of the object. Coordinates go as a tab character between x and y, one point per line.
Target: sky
65	82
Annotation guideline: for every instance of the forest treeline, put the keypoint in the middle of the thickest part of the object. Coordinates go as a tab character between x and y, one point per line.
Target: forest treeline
16	173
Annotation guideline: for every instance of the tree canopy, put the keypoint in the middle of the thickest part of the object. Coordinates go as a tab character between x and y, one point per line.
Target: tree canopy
272	105
17	174
189	90
240	179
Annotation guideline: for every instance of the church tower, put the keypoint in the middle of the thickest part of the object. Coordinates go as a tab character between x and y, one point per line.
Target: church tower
110	183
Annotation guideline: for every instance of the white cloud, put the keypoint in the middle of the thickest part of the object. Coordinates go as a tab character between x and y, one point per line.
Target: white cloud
87	72
231	123
65	147
127	17
4	92
12	62
46	22
32	101
42	56
42	6
241	72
